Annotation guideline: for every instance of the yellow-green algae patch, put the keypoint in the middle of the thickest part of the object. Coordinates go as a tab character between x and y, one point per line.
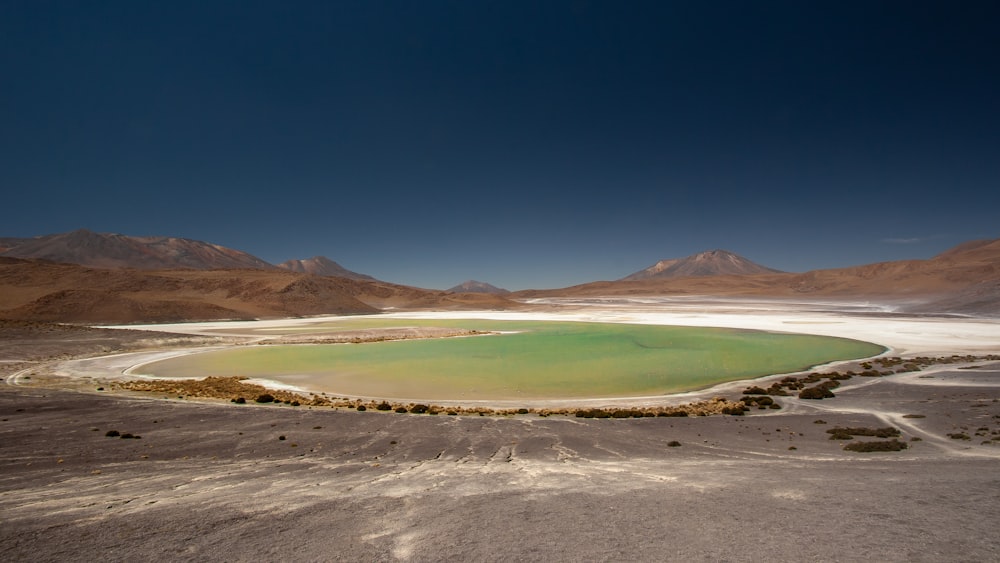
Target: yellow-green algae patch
538	360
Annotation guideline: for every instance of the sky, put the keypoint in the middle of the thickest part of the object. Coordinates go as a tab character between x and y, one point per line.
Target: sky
526	144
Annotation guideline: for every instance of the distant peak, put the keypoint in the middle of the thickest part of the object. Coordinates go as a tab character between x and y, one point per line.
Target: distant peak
716	262
474	286
322	266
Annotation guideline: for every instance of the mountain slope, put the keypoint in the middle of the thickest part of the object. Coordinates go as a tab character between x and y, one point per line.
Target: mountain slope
109	250
473	286
47	291
965	279
709	263
322	266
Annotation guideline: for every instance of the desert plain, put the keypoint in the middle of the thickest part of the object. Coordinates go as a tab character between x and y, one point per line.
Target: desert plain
204	479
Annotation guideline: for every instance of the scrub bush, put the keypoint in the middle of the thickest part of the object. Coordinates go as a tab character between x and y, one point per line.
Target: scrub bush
893	445
818	392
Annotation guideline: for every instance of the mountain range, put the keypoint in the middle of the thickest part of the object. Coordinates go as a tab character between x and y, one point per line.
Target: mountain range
964	279
111	250
90	277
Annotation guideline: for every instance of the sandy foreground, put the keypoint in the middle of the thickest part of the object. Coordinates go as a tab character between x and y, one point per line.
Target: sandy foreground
217	481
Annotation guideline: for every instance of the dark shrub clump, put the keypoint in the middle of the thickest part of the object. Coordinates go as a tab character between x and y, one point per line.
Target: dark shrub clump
112	433
265	398
362	408
383	406
240	400
893	445
817	392
419	409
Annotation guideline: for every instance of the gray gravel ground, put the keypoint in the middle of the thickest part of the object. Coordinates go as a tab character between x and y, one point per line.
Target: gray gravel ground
217	482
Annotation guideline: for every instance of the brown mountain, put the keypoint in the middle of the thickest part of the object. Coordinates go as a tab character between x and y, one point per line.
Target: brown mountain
473	286
965	279
47	291
710	263
109	250
322	266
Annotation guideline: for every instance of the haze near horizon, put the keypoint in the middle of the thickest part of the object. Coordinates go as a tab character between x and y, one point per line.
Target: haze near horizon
518	144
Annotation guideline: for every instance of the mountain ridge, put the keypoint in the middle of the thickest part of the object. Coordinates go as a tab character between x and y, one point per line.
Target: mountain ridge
322	266
964	279
113	250
716	262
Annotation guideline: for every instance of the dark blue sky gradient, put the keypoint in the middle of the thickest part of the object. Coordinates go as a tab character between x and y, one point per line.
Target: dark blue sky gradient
527	144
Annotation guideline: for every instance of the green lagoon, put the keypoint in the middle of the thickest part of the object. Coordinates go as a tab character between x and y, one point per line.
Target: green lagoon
532	360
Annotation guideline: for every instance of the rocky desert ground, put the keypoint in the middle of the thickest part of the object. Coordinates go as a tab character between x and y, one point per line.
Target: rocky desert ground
91	474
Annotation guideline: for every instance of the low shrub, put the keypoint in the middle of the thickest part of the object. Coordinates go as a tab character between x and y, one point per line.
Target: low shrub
362	408
240	400
893	445
419	409
265	398
762	402
112	433
818	392
673	444
383	406
959	436
401	410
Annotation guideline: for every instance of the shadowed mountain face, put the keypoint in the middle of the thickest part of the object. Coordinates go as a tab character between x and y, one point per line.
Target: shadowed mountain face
109	250
473	286
322	266
710	263
7	243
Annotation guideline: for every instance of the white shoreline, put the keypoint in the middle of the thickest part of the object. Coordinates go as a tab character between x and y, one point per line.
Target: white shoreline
902	335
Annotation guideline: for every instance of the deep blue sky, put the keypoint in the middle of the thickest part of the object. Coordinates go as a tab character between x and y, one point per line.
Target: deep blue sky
527	144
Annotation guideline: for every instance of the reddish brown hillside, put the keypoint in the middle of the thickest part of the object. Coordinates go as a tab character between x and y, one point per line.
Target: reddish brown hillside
34	290
46	291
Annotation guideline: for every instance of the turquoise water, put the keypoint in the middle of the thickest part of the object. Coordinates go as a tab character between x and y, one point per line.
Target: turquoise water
542	360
